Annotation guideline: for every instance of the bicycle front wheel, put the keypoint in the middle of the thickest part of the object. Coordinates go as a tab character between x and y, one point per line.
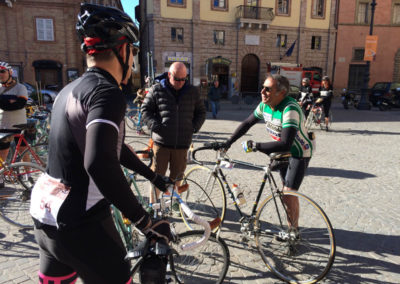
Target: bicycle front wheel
205	196
303	256
15	196
132	119
206	264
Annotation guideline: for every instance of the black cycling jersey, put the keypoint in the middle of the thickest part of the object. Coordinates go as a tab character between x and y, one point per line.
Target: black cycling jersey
88	119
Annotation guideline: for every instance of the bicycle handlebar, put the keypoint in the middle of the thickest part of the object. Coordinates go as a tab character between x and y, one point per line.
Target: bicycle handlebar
216	146
197	219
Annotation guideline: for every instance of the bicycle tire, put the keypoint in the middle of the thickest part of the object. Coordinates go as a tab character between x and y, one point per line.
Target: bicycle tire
208	263
316	244
15	196
205	196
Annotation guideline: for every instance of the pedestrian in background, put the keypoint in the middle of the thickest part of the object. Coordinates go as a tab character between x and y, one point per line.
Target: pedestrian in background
214	95
13	98
173	111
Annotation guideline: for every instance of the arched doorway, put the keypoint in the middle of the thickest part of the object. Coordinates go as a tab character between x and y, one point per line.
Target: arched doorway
396	71
250	73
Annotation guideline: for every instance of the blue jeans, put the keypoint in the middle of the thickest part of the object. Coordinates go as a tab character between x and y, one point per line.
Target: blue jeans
214	108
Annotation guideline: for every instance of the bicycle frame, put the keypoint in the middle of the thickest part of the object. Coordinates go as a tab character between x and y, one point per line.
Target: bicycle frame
275	191
21	138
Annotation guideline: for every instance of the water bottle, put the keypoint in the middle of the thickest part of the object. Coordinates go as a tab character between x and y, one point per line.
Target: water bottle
239	196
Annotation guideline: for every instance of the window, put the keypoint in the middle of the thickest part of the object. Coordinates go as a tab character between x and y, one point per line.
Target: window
252	3
44	29
358	54
318	9
176	3
316	42
177	34
396	14
281	40
219	4
283	7
363	13
219	37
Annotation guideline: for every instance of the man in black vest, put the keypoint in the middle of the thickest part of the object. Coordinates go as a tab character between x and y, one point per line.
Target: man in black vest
173	111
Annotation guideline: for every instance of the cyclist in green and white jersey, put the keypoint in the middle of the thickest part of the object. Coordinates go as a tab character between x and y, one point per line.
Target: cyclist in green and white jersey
284	120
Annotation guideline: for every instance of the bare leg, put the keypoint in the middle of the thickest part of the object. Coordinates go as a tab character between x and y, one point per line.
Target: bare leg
293	208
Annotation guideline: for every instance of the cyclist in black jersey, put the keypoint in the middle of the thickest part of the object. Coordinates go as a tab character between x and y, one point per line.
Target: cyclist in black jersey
306	96
325	98
70	204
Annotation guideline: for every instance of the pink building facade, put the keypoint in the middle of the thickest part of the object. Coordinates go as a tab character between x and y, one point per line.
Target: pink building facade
353	26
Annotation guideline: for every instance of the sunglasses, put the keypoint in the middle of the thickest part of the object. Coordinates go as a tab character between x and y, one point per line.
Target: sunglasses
267	89
3	71
179	79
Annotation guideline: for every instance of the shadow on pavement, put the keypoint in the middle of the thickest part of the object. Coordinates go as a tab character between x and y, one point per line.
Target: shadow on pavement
331	172
363	132
19	244
348	264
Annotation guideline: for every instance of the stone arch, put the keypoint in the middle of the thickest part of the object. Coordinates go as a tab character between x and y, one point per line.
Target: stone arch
396	67
250	73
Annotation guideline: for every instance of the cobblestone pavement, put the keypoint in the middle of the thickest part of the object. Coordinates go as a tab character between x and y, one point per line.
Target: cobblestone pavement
353	176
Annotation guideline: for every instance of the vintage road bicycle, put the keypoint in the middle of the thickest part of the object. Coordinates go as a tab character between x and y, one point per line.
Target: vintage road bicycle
196	256
295	255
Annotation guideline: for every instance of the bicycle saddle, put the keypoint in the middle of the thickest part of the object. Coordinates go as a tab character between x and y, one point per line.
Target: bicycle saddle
24	125
279	155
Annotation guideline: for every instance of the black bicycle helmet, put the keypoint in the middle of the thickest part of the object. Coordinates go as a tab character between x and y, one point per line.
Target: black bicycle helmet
102	28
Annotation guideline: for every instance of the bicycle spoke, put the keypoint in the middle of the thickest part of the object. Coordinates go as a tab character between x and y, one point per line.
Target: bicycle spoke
299	257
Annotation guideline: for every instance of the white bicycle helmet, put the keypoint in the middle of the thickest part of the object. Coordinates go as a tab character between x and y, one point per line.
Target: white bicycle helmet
4	66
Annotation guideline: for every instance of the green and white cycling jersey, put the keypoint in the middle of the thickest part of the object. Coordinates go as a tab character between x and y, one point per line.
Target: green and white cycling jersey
287	114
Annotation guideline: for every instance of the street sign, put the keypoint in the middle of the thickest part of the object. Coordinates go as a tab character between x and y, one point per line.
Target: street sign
371	45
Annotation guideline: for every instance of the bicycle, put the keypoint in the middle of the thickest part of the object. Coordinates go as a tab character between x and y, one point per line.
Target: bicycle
316	117
196	256
15	196
296	256
134	119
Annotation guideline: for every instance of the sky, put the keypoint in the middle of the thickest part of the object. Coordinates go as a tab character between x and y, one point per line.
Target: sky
129	7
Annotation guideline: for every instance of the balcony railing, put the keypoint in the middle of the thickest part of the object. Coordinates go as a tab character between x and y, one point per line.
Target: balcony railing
255	13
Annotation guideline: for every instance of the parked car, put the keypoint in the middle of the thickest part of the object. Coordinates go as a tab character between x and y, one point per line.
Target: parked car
381	89
48	95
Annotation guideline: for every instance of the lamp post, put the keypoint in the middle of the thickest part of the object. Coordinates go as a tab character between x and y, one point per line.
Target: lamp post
364	104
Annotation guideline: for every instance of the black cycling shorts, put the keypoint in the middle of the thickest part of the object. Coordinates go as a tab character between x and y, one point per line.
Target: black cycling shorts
94	251
293	174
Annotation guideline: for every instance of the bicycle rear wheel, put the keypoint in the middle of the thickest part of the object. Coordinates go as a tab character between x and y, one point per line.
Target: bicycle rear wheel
205	196
206	264
303	257
15	196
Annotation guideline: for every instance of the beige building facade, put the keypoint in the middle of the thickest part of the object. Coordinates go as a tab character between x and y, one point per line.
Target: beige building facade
40	41
238	41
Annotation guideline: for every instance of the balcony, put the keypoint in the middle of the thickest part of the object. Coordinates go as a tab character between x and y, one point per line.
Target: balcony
252	16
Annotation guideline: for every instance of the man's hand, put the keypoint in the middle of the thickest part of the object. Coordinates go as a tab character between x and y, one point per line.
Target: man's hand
162	182
160	229
249	146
